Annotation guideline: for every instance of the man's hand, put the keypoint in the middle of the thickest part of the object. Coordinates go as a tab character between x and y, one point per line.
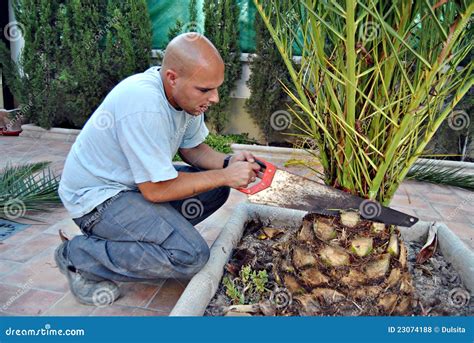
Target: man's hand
240	173
242	156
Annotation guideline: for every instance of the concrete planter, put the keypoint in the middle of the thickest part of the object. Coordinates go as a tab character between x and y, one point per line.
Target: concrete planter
203	286
55	133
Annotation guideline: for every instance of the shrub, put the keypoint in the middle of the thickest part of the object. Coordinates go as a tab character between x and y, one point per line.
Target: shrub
221	28
267	71
74	53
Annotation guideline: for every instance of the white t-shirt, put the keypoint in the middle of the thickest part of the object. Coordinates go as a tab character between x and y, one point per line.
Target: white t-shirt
131	138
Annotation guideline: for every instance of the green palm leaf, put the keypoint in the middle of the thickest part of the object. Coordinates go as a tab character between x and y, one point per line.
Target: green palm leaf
27	188
371	100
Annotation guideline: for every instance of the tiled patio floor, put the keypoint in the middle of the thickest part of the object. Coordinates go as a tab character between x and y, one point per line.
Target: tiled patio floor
30	283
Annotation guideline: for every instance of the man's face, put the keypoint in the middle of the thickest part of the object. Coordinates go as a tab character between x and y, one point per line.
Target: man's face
197	90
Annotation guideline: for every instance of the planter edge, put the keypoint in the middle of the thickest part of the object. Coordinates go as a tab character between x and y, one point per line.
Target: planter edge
55	133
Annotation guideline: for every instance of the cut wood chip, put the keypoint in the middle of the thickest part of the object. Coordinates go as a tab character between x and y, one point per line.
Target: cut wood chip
379	267
313	277
306	232
393	245
334	256
362	246
324	229
291	283
429	248
271	232
303	258
328	294
350	219
354	278
378	227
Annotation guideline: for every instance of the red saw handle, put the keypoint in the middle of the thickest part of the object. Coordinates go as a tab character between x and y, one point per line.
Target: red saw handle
266	181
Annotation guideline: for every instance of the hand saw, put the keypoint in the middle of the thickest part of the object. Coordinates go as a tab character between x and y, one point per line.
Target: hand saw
283	189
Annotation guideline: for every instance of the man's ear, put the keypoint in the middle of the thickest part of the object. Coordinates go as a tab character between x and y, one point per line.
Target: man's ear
171	76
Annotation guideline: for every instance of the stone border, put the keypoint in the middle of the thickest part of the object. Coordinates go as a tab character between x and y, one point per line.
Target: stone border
55	133
203	285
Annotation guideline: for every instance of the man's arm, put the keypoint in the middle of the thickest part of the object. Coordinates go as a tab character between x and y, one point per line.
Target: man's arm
204	157
186	185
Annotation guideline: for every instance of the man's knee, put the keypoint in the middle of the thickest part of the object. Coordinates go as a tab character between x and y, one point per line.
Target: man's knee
201	256
195	260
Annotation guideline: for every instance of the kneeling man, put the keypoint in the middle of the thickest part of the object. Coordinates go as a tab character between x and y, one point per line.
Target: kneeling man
136	209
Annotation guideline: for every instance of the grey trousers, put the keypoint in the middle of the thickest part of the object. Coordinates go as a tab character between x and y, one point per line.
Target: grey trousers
128	238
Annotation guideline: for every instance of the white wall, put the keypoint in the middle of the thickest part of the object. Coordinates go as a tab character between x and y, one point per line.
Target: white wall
16	45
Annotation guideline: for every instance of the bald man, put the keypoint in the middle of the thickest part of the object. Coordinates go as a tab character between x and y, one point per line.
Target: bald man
136	209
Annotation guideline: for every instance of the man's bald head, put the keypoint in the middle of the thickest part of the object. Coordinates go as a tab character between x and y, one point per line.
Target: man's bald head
192	71
189	51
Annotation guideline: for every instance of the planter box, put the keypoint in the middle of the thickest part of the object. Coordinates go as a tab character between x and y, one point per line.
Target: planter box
203	286
55	133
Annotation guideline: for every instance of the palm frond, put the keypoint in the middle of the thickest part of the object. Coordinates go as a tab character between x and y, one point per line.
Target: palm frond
435	173
27	188
371	100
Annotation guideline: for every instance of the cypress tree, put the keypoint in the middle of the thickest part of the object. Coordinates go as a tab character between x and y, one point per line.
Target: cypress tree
267	69
221	28
81	71
74	53
191	25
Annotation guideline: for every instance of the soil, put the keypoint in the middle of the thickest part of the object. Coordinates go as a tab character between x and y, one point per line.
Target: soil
438	288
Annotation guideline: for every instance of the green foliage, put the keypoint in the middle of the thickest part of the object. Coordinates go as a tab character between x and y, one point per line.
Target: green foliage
75	53
375	81
26	188
175	30
128	40
248	287
222	143
192	8
267	71
192	24
232	291
221	28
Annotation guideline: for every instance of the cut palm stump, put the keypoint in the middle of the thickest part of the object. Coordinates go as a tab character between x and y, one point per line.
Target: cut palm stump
328	266
333	265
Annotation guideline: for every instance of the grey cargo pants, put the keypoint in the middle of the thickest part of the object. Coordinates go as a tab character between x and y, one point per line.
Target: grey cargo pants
128	238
